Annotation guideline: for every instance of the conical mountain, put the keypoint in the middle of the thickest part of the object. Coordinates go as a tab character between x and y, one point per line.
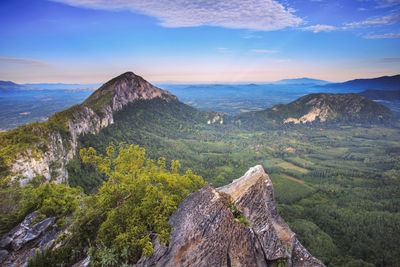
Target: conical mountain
125	89
44	149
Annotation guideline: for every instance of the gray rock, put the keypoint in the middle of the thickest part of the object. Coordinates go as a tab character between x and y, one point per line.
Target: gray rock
5	242
23	240
83	263
205	232
3	255
24	233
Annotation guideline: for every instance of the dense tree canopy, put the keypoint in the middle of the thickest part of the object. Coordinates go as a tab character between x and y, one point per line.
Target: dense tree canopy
132	206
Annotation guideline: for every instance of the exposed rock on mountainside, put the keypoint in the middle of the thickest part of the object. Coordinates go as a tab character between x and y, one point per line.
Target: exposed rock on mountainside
324	108
52	144
205	232
17	246
334	107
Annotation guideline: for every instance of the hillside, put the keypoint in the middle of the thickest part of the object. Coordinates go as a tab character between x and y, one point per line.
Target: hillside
334	184
321	108
44	149
7	86
392	95
380	83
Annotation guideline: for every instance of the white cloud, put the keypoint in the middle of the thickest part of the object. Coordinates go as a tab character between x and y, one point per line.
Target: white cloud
252	36
263	51
223	49
385	20
387	3
380	60
263	15
320	28
383	36
390	59
23	61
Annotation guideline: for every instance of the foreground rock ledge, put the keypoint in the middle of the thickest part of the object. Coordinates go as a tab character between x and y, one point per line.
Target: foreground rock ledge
205	232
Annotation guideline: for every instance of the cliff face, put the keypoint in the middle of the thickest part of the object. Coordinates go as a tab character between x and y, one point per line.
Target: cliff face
95	113
205	232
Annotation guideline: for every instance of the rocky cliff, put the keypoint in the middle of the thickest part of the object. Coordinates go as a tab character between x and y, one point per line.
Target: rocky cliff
57	139
206	232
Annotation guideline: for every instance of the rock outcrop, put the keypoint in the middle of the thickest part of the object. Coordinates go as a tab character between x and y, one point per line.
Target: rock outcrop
89	117
17	246
206	233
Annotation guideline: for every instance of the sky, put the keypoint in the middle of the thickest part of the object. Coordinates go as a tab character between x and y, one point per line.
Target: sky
198	41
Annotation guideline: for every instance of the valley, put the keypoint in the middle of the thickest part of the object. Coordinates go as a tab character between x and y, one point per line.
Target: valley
336	183
325	176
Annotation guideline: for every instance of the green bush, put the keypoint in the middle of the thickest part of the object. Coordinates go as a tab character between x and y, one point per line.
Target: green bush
132	207
48	200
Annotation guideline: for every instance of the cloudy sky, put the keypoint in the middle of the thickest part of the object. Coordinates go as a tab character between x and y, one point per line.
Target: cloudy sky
190	41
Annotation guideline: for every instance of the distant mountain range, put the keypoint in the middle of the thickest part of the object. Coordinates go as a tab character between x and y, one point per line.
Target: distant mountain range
61	86
302	81
388	95
6	86
381	83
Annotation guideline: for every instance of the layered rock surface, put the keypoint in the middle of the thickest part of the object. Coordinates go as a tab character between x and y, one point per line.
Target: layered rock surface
205	232
17	246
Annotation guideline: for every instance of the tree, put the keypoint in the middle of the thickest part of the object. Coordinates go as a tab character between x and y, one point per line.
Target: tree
134	205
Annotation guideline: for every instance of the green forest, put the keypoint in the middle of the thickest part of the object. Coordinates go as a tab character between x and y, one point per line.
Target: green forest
336	185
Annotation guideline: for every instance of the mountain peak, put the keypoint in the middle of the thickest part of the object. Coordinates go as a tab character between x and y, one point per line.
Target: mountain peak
125	89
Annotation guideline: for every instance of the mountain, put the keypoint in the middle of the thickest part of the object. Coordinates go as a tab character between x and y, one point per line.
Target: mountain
7	86
322	108
302	81
392	95
381	83
61	86
206	231
44	149
334	185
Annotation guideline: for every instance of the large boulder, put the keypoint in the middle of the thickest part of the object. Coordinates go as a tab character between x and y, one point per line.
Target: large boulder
206	232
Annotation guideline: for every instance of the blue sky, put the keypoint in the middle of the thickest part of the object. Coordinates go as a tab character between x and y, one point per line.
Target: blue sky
189	41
